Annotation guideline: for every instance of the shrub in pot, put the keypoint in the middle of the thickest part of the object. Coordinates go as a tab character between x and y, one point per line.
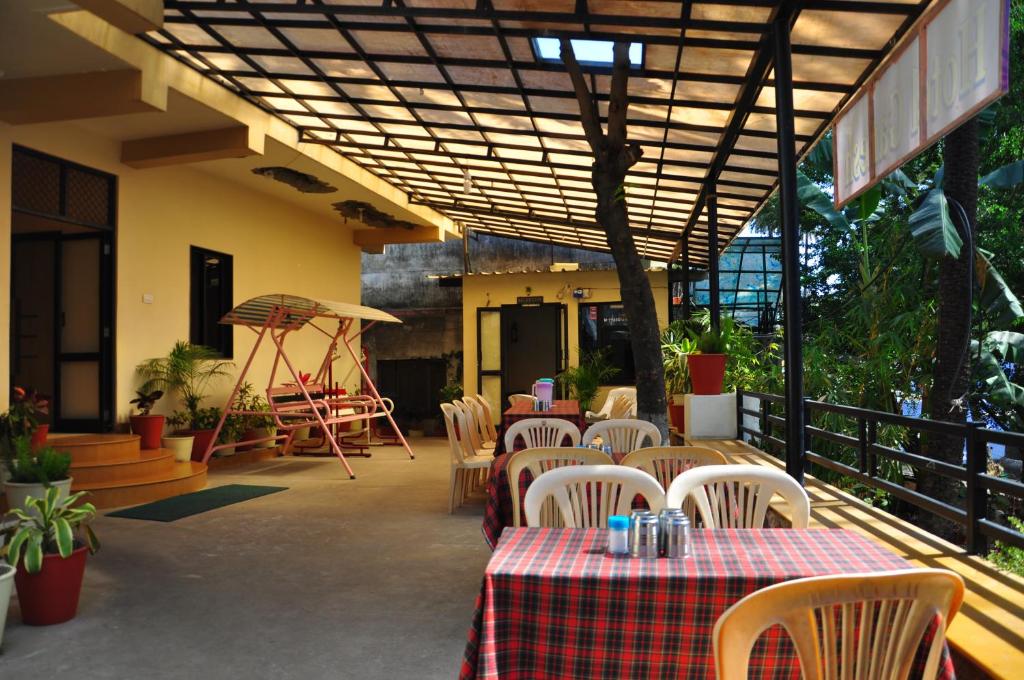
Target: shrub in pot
584	381
149	427
676	347
32	472
180	444
707	365
49	551
22	420
254	425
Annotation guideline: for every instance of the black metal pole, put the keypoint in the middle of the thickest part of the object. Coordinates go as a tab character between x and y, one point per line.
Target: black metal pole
686	277
714	304
789	210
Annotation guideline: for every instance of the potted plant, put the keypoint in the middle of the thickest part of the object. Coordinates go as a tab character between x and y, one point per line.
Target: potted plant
584	381
49	560
676	346
187	371
32	472
707	364
180	444
22	419
254	426
148	427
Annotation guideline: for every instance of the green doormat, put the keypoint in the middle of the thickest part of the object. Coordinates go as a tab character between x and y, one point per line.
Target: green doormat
170	509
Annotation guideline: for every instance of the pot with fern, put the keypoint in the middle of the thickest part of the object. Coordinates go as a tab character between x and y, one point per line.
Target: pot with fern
676	347
48	547
585	380
149	427
33	471
187	372
707	365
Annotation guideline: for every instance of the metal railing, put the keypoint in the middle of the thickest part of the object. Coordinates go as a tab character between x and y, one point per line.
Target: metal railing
979	486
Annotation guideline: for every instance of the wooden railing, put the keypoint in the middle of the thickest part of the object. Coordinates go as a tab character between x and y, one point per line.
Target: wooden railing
980	487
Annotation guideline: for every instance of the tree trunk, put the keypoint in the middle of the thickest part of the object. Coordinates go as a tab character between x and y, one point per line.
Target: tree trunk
950	381
637	299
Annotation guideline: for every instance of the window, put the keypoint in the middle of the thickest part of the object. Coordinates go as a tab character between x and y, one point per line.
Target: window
212	298
603	326
588	52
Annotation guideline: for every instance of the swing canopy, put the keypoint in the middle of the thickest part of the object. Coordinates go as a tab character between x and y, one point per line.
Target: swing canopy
293	312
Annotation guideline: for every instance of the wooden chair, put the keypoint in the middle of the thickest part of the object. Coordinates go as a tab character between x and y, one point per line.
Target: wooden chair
492	431
514	399
473	432
624	435
628	393
479	418
467	468
737	496
851	626
541	460
541	433
586	495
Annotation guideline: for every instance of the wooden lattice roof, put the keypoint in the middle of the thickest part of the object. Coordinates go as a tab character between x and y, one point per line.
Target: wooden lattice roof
441	96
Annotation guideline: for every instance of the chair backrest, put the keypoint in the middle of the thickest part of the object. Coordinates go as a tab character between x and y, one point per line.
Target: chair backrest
478	416
628	393
665	463
514	399
472	429
850	626
625	435
541	433
737	496
541	460
492	431
622	407
586	495
452	414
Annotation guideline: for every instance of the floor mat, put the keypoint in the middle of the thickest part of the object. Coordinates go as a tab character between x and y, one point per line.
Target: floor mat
171	509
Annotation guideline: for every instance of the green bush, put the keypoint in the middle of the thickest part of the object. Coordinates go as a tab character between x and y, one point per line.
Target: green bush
40	466
1007	557
585	380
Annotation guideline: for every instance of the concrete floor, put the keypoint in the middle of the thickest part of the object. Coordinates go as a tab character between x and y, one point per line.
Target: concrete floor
333	578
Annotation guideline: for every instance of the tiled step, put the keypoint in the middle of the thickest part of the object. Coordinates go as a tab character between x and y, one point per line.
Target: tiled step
146	464
95	448
181	478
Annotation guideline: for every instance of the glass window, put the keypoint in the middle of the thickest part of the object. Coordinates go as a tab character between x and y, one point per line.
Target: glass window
603	326
212	298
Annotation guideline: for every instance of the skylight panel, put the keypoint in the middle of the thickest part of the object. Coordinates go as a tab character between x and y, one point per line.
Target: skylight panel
588	52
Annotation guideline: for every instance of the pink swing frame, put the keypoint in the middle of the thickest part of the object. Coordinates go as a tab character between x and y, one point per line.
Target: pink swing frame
308	403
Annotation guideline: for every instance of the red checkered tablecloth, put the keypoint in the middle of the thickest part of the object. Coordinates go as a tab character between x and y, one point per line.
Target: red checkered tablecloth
568	409
498	511
554	606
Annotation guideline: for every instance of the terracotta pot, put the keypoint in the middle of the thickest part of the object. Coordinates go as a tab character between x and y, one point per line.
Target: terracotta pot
707	372
677	415
150	429
51	596
200	444
39	435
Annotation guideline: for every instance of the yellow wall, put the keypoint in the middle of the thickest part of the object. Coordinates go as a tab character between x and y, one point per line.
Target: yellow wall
277	247
502	289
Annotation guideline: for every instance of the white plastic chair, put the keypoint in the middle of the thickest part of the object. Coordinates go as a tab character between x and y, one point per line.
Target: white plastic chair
850	626
473	431
665	463
738	496
467	469
479	419
514	399
587	495
541	433
539	461
492	431
624	435
606	409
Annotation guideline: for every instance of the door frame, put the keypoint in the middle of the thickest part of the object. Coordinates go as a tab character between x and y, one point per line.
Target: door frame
480	372
561	338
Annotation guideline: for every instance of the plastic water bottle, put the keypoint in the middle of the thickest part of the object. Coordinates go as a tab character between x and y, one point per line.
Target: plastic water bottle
618	535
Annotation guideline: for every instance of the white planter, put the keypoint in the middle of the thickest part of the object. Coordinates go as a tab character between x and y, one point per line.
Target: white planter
17	492
267	432
181	445
6	586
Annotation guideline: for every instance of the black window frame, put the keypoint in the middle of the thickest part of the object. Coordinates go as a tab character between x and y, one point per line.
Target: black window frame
622	360
203	331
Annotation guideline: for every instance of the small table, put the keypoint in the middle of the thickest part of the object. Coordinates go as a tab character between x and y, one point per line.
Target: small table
566	409
553	605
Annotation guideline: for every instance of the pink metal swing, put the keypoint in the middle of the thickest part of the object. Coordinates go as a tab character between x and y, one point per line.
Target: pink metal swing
304	403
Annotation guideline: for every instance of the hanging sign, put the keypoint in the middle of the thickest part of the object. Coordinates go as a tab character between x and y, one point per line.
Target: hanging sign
950	67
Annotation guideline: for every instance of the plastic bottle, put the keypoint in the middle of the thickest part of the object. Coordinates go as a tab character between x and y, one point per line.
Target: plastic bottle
618	535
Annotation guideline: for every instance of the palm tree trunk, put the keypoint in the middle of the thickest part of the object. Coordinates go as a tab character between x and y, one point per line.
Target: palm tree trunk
950	381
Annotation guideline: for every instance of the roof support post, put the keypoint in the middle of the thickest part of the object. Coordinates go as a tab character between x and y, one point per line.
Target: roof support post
686	277
715	302
789	210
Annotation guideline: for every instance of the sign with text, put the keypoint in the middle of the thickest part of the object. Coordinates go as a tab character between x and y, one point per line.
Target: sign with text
952	65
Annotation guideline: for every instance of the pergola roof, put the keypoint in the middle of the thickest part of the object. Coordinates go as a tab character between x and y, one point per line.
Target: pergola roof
298	311
437	96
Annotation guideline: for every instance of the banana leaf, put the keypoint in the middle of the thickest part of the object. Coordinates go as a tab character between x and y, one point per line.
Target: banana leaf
932	228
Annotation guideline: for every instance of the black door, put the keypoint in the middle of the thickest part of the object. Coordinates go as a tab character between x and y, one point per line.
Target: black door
531	345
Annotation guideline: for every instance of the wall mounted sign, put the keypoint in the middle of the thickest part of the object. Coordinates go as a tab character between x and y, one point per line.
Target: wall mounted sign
530	300
951	66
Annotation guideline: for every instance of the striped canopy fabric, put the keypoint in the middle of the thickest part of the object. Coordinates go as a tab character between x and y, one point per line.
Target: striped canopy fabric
298	311
466	106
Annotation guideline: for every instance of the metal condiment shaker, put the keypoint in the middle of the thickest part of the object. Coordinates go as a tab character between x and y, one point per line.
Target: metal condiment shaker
644	536
677	536
663	521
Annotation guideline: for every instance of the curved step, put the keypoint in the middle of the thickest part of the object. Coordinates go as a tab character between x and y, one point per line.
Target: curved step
182	478
154	463
94	448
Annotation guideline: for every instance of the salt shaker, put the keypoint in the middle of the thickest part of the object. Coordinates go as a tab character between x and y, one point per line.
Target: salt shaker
663	525
618	535
643	538
677	536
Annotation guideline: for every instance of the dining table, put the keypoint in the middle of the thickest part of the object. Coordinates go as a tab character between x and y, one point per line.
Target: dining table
564	409
553	605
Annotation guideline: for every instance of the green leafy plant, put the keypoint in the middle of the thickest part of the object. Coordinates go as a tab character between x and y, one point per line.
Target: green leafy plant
145	401
249	400
715	340
47	526
1007	557
187	371
676	345
584	381
21	419
450	392
43	465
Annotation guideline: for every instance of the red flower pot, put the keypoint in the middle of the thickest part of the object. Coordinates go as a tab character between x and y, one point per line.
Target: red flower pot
200	443
51	596
39	435
707	371
677	415
150	429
